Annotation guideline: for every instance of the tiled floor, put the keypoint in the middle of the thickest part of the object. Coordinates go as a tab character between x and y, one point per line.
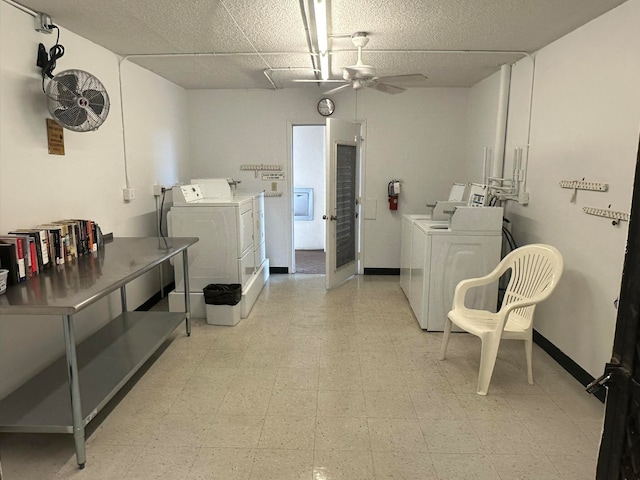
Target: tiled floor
320	385
310	261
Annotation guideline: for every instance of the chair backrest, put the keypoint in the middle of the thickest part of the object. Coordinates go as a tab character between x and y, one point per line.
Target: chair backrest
535	271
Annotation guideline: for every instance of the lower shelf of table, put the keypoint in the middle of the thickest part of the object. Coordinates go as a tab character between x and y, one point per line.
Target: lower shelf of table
106	361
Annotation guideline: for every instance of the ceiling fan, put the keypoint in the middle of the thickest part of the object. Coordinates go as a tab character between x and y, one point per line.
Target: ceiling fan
364	76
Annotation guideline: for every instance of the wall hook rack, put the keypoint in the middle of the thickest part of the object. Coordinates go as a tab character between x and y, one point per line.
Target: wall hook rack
616	216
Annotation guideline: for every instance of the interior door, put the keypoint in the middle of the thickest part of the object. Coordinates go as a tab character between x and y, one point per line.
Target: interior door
619	456
343	186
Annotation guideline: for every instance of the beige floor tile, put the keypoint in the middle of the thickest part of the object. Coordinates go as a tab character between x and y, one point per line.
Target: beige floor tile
104	462
198	400
211	376
341	403
343	465
245	401
282	465
575	467
289	378
403	465
147	400
222	463
555	437
431	403
382	378
489	407
287	432
268	358
388	404
525	467
340	378
451	436
126	431
175	430
341	433
464	467
254	378
395	435
534	407
508	437
293	403
223	358
234	431
162	463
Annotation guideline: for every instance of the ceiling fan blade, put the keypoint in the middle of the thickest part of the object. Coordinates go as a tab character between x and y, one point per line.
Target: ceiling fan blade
74	116
410	80
306	80
386	88
337	89
95	99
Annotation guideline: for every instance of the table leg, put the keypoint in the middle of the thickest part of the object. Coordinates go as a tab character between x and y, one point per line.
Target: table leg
187	298
123	298
74	389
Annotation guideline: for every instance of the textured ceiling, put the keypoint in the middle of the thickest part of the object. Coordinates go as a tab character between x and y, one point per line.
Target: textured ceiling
250	37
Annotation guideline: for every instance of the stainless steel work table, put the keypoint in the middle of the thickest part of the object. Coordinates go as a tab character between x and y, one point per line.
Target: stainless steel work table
55	402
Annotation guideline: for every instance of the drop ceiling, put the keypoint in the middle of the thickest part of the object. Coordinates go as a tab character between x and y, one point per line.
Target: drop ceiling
266	44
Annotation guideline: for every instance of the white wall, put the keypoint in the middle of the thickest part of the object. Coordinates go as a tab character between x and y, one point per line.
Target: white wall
309	172
482	110
585	123
87	182
418	136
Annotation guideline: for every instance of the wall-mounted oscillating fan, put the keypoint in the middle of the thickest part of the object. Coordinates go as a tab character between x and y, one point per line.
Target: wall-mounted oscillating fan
77	100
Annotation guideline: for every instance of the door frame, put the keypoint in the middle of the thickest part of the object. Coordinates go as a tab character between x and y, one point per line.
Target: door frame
289	191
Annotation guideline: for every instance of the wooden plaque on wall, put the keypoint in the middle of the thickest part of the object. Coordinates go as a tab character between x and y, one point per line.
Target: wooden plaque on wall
55	137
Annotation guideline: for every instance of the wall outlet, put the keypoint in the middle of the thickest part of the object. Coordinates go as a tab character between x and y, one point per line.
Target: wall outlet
158	190
128	194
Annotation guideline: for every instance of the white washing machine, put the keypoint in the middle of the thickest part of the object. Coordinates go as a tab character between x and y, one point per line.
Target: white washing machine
408	222
444	254
226	252
456	195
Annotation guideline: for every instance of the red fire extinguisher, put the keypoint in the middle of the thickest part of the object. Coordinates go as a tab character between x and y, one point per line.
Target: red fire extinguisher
393	190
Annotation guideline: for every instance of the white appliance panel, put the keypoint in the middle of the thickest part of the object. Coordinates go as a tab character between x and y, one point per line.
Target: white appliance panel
246	267
455	258
216	228
246	230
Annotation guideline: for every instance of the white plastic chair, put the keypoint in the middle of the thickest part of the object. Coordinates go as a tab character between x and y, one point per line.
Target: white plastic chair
535	271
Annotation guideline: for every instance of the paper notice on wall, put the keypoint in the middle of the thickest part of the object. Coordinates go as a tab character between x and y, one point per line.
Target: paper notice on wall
268	177
55	137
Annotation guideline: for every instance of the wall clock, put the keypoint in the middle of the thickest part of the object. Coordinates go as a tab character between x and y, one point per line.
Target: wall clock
326	107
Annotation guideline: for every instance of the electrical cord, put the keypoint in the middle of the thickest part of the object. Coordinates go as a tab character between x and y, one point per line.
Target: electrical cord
55	53
164	192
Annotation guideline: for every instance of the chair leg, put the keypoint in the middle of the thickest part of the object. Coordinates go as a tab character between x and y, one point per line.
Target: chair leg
528	347
490	345
445	338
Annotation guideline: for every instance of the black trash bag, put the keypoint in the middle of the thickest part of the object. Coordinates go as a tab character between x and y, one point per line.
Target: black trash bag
222	294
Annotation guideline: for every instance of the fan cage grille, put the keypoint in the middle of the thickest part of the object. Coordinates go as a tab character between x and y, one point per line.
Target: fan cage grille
77	100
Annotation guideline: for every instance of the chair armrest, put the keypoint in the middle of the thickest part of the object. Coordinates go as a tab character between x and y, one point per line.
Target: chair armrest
465	285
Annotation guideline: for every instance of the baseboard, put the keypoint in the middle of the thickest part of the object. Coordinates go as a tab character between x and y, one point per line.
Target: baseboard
146	306
382	271
565	362
278	270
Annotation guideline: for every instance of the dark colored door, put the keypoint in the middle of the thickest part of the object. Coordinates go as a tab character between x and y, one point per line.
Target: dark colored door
619	456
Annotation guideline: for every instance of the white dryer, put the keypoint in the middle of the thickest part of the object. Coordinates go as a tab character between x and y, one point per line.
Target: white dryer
226	228
468	246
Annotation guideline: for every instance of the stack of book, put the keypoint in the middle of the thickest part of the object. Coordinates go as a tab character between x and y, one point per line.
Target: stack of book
26	252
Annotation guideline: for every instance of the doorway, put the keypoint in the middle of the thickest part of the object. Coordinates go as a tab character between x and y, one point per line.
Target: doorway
309	194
